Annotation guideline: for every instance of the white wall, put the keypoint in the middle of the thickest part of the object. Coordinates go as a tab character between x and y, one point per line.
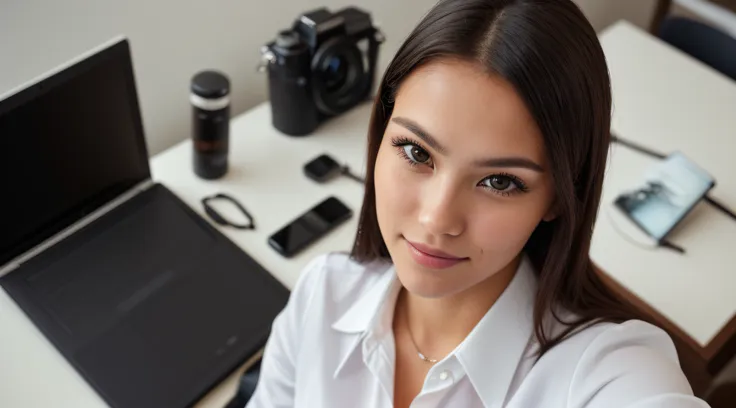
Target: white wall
173	39
603	13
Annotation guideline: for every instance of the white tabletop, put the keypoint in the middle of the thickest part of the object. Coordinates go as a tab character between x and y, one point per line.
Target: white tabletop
266	177
667	101
662	99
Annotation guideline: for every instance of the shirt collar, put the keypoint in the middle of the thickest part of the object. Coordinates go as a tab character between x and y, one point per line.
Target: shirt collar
372	312
365	310
492	351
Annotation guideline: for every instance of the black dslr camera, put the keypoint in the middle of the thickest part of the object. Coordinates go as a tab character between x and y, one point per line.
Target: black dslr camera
323	66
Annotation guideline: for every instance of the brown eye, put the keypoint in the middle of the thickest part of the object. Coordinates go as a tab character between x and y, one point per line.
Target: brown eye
416	154
504	184
500	182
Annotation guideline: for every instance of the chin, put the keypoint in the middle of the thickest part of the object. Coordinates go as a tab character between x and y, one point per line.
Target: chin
427	283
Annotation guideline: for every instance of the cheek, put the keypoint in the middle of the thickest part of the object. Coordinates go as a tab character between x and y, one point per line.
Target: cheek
504	229
395	199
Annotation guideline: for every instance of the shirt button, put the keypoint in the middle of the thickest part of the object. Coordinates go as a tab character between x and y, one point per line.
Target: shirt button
444	375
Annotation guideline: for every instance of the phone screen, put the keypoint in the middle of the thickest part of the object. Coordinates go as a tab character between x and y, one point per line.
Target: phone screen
666	193
310	226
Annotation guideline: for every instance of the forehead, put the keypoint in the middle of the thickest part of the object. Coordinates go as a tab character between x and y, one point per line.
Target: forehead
470	111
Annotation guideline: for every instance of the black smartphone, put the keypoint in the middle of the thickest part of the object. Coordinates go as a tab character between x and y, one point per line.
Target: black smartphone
309	227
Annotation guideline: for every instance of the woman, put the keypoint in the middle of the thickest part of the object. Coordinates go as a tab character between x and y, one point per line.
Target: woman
470	284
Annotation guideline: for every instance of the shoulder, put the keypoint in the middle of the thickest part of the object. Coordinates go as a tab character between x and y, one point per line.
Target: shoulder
650	345
621	364
336	279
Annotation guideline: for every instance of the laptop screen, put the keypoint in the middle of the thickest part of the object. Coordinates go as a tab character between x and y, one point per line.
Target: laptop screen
68	144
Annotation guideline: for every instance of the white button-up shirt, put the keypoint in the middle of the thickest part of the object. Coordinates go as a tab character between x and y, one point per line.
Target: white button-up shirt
333	347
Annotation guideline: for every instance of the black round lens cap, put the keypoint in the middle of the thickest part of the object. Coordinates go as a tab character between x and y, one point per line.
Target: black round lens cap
210	84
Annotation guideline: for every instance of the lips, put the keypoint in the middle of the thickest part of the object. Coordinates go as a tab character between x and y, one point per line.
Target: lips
432	257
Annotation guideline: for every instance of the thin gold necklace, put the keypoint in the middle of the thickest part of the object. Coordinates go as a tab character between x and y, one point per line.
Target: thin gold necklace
419	353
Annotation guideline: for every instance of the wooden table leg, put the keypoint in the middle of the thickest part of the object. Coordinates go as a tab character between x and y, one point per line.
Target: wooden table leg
663	7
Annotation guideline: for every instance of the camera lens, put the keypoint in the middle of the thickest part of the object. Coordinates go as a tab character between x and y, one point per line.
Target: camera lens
339	80
335	73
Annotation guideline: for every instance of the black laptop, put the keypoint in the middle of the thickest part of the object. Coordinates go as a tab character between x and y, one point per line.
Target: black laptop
148	301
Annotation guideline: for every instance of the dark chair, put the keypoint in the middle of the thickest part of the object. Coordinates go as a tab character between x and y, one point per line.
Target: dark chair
703	42
247	387
723	396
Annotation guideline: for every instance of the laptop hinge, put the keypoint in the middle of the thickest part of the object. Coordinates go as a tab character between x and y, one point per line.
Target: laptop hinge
16	262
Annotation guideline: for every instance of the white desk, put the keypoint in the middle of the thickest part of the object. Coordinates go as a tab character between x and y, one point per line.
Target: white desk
667	101
266	176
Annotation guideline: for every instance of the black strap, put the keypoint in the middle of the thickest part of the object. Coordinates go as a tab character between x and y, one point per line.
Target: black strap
670	245
345	171
219	219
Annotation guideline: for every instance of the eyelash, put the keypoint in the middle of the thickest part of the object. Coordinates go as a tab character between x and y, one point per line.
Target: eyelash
401	142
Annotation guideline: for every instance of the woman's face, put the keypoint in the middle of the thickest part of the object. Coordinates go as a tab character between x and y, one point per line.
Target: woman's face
461	178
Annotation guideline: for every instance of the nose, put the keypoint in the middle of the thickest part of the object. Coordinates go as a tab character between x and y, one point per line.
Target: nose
442	209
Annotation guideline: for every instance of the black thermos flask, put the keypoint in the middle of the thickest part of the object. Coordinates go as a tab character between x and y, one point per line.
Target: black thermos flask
210	99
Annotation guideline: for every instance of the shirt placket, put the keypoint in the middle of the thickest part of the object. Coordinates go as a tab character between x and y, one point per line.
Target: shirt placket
440	379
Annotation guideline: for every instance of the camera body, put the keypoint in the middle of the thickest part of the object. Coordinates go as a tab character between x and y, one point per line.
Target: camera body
321	67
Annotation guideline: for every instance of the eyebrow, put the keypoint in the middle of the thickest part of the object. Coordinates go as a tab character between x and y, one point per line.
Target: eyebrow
510	162
414	127
507	162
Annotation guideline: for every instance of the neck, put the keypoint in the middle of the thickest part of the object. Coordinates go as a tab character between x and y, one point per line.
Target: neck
439	325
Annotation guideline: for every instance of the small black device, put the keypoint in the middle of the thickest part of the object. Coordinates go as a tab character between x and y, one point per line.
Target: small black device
324	168
310	226
210	99
321	67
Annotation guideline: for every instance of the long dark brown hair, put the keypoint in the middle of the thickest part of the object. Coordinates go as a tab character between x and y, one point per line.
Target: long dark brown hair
551	55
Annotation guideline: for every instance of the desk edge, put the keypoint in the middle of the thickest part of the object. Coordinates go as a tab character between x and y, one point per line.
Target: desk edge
716	354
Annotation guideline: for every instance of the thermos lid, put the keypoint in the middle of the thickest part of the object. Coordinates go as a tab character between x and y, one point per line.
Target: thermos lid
210	85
